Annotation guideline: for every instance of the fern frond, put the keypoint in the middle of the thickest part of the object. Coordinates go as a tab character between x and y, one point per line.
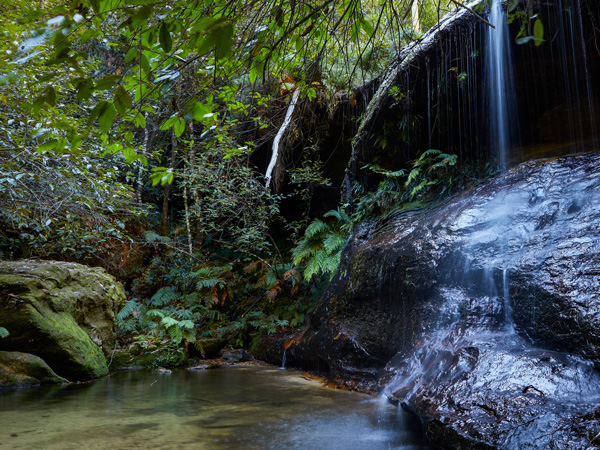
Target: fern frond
334	242
186	324
168	322
412	176
164	296
315	228
304	250
155	314
254	266
151	236
175	333
208	283
339	214
431	152
419	187
271	279
127	310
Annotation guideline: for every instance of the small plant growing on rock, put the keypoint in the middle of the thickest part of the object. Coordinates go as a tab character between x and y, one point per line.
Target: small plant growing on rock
321	247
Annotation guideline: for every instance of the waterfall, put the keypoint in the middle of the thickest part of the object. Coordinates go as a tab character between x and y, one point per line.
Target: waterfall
499	85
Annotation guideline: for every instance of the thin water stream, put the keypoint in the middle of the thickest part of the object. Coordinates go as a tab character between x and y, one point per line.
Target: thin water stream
500	87
226	408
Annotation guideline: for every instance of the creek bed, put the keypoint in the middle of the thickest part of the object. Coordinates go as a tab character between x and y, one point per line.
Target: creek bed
225	408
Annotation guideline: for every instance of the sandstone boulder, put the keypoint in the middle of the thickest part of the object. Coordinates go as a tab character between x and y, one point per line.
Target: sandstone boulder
23	369
62	312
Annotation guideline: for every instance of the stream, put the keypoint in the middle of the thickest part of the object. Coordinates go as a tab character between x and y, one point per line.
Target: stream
225	408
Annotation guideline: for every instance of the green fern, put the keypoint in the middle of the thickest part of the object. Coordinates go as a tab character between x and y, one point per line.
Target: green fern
164	296
154	314
128	309
315	228
429	170
209	277
177	330
321	247
151	236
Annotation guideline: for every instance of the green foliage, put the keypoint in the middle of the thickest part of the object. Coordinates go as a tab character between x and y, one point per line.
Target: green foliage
321	247
231	206
179	299
430	170
530	30
3	332
177	330
431	176
388	195
244	325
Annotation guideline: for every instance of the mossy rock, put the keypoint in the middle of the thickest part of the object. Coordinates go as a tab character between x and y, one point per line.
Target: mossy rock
158	357
61	312
23	369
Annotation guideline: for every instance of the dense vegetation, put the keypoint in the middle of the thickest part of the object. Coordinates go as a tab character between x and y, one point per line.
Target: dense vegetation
135	134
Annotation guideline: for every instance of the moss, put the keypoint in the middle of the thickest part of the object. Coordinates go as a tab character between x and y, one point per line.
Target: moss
23	369
62	312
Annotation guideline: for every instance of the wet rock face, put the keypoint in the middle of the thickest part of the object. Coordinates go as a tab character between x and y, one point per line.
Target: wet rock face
61	312
368	313
483	310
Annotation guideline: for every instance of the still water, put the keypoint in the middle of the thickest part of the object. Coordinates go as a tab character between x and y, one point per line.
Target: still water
225	408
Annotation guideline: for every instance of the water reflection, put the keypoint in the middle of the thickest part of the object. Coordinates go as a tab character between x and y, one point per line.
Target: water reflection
228	408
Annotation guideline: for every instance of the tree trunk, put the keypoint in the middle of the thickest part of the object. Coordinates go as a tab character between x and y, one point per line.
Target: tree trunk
415	16
280	133
164	221
145	151
190	159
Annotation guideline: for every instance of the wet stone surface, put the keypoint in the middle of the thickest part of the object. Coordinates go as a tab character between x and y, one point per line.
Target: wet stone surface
482	314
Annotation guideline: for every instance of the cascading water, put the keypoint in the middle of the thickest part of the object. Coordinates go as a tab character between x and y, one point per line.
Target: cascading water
499	85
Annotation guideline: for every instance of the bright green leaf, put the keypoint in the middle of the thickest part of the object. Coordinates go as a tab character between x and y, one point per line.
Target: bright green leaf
122	101
140	120
538	32
106	119
131	54
107	82
179	126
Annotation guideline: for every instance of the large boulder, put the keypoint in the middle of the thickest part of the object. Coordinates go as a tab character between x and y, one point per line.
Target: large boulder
61	312
481	314
22	369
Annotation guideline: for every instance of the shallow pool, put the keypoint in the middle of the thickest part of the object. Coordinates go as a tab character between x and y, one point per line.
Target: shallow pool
225	408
